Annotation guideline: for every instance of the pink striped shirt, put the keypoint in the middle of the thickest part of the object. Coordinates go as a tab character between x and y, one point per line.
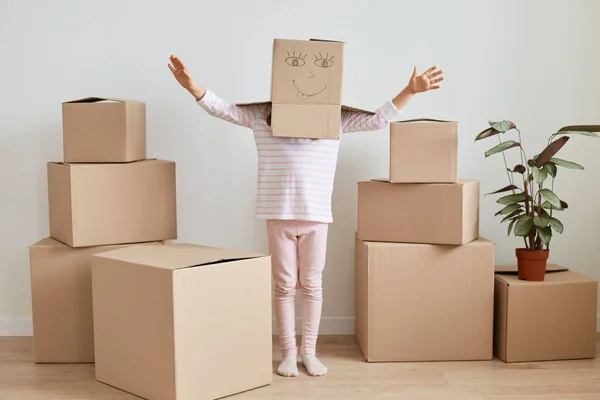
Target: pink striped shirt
295	176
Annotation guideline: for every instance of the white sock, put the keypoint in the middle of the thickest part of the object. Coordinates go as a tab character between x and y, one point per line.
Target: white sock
313	365
289	366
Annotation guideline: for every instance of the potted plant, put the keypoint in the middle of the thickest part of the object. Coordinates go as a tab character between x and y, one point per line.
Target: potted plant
528	201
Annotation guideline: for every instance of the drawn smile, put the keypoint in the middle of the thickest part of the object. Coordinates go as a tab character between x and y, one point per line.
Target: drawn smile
303	96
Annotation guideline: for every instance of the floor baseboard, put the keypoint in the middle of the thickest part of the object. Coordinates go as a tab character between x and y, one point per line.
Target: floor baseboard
329	326
16	327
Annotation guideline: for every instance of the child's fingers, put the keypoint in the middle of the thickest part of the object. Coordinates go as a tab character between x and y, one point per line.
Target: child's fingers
436	80
430	70
173	70
436	73
179	63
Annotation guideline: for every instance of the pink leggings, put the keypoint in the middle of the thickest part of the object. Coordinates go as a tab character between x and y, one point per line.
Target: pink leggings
298	250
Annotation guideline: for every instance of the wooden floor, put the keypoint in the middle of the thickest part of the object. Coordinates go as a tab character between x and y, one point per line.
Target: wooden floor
349	378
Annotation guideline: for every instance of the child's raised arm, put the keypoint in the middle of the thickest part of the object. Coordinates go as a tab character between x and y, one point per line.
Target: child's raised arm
212	104
353	121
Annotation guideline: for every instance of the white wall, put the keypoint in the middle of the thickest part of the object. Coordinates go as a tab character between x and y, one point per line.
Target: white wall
534	62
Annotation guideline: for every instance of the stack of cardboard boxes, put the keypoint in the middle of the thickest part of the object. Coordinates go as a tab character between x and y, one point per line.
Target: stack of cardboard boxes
424	277
105	195
159	320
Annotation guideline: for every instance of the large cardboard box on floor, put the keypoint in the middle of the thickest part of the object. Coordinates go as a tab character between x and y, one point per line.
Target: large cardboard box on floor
418	213
61	297
541	321
424	151
102	204
104	130
182	321
421	302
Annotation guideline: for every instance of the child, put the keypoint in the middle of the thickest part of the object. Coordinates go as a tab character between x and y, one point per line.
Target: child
295	183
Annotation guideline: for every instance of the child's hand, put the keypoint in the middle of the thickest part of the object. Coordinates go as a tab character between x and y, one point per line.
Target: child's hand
425	81
418	84
184	78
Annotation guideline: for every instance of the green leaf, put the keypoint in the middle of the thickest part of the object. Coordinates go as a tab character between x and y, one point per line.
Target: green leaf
511	198
565	164
542	220
587	130
551	168
582	133
545	235
549	206
530	178
502	126
551	150
510	226
486	133
583	129
524	225
512	215
509	209
502	147
550	197
539	174
518	168
504	189
556	225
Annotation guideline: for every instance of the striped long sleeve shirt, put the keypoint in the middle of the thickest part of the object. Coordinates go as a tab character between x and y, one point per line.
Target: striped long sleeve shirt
295	175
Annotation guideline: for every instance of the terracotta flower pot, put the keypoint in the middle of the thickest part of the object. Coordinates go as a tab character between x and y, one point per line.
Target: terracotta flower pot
531	265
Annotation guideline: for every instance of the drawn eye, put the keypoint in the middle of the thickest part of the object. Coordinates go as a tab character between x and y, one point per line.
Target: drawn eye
324	62
294	60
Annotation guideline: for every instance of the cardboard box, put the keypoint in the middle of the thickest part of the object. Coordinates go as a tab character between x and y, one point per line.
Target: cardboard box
104	130
418	213
307	72
541	321
306	88
61	297
182	321
420	302
102	204
306	121
424	151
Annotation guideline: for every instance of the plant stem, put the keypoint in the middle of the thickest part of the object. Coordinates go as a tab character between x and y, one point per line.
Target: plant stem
522	151
551	208
523	155
527	211
510	181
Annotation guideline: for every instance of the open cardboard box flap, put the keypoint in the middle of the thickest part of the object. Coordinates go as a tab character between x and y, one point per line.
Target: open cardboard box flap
345	108
460	182
178	255
100	99
512	269
421	120
69	164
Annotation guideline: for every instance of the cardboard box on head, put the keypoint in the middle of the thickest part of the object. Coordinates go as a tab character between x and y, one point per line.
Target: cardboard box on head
306	88
307	72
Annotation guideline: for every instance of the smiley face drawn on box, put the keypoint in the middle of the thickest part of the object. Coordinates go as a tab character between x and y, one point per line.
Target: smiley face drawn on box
307	71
